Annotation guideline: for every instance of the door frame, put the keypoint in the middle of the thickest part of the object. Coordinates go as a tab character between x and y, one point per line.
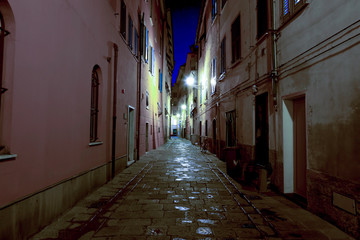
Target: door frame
288	139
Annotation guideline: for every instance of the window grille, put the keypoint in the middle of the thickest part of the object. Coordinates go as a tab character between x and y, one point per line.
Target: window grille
94	109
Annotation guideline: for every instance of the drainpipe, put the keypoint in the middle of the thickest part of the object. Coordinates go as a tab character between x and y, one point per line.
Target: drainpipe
114	112
140	41
274	73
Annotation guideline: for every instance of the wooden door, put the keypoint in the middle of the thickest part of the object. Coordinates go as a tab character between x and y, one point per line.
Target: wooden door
300	147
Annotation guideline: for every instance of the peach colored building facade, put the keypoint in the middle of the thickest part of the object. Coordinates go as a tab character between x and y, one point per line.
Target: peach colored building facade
74	108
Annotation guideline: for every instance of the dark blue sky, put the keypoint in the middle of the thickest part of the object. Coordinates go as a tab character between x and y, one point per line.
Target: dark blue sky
185	19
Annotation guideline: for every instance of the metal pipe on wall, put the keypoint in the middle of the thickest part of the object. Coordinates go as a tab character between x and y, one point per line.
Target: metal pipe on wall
116	50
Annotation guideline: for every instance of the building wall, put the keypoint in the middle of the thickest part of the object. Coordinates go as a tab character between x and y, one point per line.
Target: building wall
324	71
315	60
49	56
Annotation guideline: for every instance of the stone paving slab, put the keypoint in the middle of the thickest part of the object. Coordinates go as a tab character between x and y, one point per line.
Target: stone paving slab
181	198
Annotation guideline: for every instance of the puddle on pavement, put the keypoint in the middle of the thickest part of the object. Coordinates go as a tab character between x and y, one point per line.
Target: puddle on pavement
182	208
204	231
206	221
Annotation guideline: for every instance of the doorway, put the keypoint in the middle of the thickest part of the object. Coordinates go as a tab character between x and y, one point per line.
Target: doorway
261	130
131	134
299	147
294	144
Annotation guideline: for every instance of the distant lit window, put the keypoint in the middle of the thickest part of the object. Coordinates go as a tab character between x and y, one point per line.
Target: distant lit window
94	109
236	39
123	19
290	7
146	44
214	9
262	17
130	29
213	75
223	56
152	60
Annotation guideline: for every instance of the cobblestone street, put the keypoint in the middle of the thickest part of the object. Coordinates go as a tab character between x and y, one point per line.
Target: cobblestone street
177	192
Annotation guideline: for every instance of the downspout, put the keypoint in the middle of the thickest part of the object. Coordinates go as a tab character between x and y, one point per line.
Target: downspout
114	112
140	41
274	72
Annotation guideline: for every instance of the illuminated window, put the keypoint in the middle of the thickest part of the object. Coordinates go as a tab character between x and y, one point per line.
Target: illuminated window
94	109
291	7
213	75
214	9
152	60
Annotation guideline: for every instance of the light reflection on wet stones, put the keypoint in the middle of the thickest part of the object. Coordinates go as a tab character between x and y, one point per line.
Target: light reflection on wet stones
204	231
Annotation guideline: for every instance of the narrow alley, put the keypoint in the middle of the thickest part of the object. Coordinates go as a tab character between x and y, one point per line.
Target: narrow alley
177	192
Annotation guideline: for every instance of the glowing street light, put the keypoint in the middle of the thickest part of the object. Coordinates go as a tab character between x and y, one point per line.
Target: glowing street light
183	107
190	80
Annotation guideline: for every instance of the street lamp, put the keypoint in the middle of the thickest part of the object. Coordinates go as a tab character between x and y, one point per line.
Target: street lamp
190	80
183	107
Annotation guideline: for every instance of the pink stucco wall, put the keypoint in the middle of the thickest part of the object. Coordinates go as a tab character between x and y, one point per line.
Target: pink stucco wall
45	115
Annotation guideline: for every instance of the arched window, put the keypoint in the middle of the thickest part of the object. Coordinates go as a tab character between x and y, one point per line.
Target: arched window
94	109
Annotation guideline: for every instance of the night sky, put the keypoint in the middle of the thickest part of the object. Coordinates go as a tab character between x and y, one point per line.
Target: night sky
185	14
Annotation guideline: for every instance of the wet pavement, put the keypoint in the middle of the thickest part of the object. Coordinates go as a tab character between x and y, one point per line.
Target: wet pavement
177	192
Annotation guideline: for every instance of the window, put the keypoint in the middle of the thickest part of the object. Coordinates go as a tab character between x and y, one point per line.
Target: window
290	7
223	3
146	44
160	81
152	60
230	129
94	109
223	56
130	33
147	100
136	39
262	18
213	75
123	19
214	9
235	39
